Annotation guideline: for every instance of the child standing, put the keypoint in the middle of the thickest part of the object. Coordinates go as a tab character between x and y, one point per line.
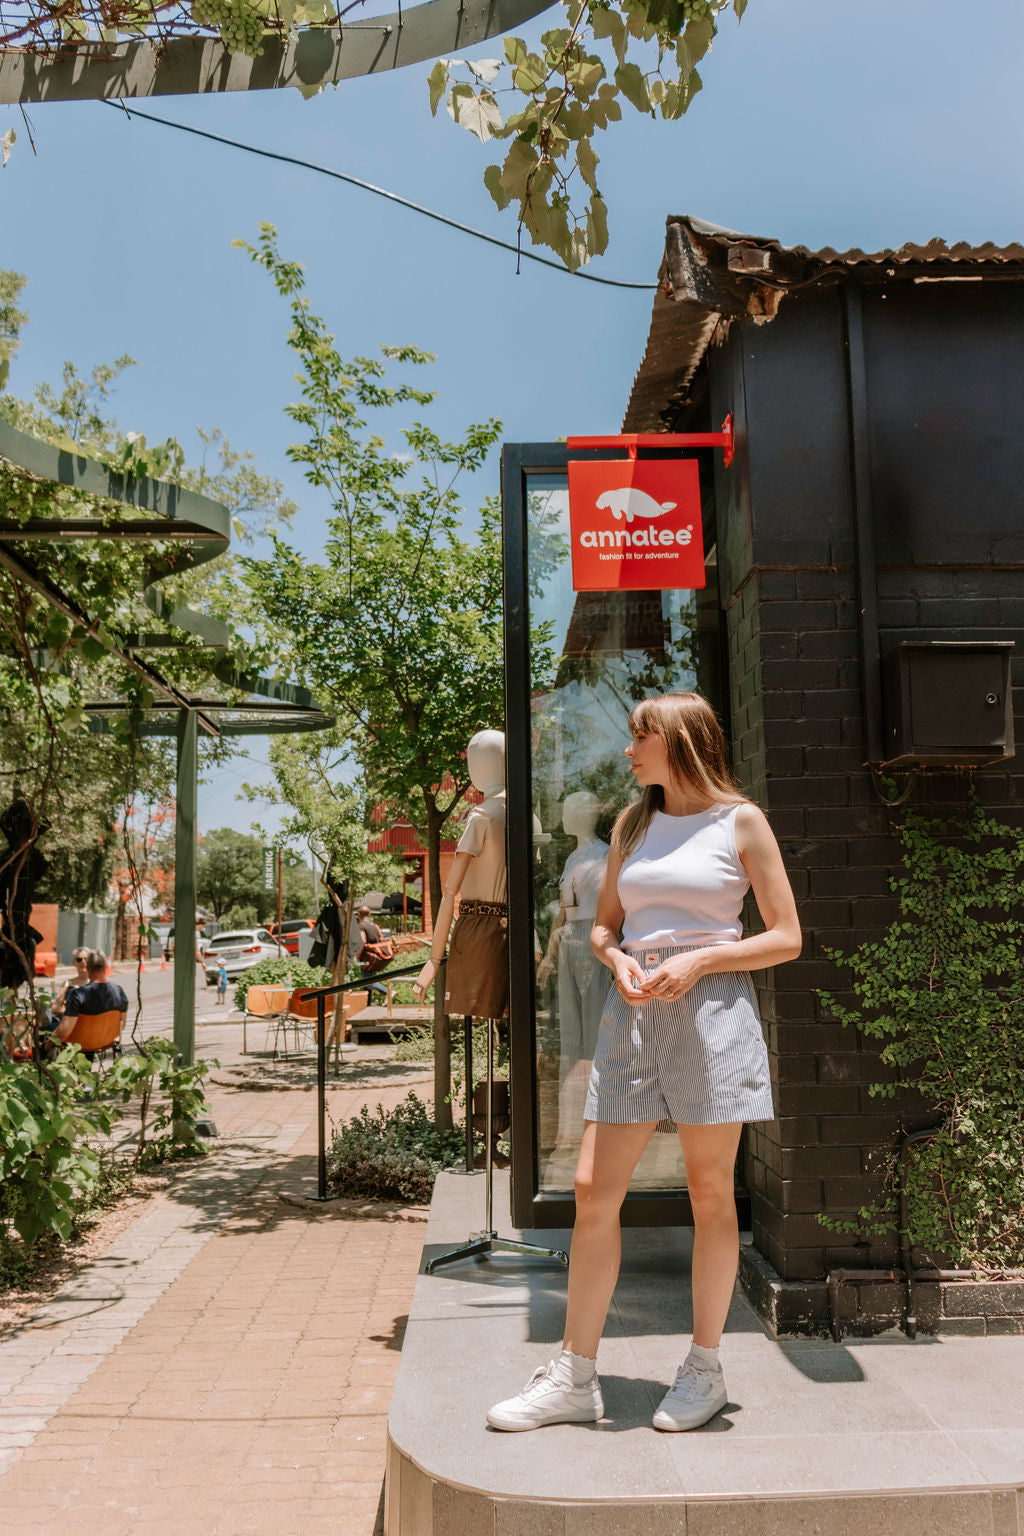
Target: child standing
222	983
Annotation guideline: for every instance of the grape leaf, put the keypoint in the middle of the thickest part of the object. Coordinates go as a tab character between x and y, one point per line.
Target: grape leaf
484	69
437	80
631	83
478	113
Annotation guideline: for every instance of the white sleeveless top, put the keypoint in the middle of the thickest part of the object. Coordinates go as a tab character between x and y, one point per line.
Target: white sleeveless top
684	884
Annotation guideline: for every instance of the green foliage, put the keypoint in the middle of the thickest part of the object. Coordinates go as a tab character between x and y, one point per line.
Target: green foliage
391	1155
289	971
644	52
51	666
56	1159
229	873
48	1160
11	319
944	991
171	1090
331	815
549	104
399	629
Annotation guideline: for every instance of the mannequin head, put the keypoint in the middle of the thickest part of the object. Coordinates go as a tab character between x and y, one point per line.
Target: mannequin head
485	758
579	814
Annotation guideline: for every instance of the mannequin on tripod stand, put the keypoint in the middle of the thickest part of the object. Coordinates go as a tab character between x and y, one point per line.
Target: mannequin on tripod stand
476	979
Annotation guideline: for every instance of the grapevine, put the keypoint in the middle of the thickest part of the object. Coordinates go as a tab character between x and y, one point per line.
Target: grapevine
569	92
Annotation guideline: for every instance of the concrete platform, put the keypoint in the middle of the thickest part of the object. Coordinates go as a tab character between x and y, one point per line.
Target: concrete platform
879	1437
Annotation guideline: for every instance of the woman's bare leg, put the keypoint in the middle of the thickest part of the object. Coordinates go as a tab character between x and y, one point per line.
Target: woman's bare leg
710	1153
608	1155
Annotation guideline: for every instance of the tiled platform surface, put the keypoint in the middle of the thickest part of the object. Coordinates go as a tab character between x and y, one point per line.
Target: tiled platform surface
879	1437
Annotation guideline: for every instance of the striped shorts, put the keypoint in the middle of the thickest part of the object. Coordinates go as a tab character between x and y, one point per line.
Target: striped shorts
699	1059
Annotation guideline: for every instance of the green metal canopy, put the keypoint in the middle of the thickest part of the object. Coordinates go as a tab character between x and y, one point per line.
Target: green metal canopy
198	530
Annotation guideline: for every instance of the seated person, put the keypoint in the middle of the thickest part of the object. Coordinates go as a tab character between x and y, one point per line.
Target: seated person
366	961
80	979
97	996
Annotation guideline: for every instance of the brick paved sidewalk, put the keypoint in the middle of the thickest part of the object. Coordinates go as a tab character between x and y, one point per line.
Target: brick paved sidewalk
226	1368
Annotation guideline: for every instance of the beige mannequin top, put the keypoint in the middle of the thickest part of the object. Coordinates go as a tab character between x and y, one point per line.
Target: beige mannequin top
484	837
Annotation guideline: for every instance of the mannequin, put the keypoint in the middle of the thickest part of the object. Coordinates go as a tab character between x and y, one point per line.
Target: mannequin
476	982
582	981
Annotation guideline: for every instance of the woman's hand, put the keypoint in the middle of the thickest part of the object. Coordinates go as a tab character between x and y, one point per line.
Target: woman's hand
674	977
629	978
421	985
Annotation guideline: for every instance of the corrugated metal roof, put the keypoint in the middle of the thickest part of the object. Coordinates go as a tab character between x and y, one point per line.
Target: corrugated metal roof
709	274
934	250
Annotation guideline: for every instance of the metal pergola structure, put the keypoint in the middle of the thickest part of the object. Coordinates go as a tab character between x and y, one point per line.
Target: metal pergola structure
309	60
199	530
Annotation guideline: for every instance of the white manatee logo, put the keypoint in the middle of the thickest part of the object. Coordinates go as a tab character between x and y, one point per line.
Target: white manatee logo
630	503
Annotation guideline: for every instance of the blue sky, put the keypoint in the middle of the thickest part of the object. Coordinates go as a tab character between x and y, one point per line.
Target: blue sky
819	123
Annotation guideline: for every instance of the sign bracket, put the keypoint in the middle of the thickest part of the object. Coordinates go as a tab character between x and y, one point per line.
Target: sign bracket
631	441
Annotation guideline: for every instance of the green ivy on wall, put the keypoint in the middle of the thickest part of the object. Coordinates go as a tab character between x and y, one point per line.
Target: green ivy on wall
944	991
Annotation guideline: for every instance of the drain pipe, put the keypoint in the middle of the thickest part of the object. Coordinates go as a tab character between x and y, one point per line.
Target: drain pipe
863	524
909	1273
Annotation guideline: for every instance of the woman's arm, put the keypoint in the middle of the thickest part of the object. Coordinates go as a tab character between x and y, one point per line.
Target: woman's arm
761	858
604	936
443	923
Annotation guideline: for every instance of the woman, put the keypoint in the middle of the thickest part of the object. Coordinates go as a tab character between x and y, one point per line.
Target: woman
680	1040
81	978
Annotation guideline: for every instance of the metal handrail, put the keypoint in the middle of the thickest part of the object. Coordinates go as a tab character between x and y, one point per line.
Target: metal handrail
320	994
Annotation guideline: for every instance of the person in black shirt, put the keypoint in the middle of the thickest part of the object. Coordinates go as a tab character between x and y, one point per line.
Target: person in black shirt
97	996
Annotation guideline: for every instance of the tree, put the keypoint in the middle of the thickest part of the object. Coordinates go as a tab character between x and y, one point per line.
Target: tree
643	52
326	811
399	629
230	879
97	791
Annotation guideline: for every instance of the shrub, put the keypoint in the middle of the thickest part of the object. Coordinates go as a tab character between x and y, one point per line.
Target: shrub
48	1166
391	1155
288	971
56	1159
944	991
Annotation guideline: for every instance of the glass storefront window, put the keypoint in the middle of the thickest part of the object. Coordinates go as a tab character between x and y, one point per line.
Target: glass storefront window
592	656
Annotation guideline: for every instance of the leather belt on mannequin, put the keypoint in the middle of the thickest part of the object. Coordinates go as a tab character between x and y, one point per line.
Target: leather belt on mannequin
483	908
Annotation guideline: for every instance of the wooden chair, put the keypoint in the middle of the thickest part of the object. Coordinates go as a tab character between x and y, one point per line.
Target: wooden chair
96	1032
298	1018
266	1004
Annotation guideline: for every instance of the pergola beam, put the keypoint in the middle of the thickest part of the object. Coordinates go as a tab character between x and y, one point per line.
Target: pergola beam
318	56
138	529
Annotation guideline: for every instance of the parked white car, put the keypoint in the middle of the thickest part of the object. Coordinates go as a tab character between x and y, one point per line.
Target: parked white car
237	951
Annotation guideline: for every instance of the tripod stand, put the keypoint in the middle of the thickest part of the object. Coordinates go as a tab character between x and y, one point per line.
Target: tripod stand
481	1244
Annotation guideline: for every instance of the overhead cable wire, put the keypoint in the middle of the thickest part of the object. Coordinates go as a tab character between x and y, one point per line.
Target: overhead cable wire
368	186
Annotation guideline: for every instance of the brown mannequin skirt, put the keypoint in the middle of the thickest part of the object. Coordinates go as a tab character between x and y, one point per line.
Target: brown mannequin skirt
477	975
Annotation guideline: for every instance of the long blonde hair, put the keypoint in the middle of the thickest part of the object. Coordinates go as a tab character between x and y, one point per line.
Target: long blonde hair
697	758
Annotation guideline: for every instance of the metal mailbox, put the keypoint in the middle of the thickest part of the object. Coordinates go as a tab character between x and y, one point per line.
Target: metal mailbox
948	703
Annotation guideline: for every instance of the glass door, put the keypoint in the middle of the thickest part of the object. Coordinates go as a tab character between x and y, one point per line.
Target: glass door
576	662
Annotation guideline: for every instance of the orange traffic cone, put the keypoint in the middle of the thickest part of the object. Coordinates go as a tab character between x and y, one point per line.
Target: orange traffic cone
142	964
163	962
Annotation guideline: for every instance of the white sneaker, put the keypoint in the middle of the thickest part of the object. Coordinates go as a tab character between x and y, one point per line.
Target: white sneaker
546	1399
695	1396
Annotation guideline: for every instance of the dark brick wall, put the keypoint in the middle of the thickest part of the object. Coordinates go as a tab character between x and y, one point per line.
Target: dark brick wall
789	592
798	751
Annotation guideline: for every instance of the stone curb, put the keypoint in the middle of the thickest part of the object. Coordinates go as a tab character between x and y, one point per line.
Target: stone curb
368	1210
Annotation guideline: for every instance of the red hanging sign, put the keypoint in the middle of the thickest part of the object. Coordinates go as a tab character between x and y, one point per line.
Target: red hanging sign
635	524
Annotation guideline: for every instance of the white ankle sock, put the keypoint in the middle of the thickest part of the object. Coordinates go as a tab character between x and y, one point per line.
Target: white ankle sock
706	1359
579	1368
